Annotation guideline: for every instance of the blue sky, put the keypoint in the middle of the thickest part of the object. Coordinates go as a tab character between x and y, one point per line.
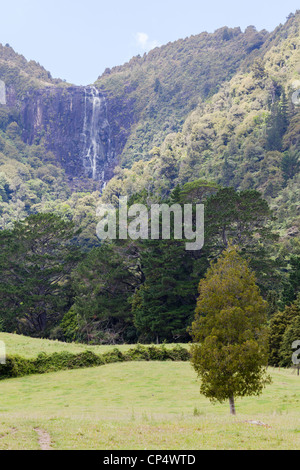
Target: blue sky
77	39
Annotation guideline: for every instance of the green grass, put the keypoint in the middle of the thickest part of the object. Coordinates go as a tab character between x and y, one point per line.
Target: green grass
30	347
138	405
144	405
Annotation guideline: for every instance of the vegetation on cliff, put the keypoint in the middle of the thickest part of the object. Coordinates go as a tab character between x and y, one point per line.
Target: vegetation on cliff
208	119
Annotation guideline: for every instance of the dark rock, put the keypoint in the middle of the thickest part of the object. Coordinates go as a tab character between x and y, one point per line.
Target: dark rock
73	123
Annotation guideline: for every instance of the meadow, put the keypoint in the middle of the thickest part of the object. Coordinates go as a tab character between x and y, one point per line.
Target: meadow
30	347
137	406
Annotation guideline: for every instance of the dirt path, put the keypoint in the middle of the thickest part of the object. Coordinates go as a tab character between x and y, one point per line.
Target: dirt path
44	439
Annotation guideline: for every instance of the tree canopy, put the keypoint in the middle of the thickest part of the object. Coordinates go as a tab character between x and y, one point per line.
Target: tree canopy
229	331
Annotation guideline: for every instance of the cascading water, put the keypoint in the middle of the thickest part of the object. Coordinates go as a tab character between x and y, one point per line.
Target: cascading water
96	134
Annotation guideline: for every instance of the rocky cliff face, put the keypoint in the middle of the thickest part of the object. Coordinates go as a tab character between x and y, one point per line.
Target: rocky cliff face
131	109
73	123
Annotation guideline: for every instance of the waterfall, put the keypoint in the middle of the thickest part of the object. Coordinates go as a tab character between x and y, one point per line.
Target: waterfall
96	134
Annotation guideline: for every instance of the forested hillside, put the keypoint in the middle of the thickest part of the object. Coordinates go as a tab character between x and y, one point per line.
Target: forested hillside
246	135
160	89
42	122
209	119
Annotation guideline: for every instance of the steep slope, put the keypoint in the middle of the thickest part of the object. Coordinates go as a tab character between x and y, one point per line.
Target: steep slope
89	130
151	96
215	106
53	133
20	75
246	135
72	123
69	121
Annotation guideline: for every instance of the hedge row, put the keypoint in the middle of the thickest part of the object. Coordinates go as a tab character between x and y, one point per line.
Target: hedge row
17	366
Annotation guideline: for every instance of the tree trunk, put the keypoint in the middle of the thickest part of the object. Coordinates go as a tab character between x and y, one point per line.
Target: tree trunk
232	405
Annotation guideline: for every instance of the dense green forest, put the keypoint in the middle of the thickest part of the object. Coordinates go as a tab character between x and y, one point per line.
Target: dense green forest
205	120
139	291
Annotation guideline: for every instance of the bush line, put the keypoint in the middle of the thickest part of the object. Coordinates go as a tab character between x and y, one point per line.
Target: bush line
17	366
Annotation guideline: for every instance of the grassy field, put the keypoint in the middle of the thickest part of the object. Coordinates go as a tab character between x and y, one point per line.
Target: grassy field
141	405
31	347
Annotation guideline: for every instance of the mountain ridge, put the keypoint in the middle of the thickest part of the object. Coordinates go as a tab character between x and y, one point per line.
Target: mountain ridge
159	109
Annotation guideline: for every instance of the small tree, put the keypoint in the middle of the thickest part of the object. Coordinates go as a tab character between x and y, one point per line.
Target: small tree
229	331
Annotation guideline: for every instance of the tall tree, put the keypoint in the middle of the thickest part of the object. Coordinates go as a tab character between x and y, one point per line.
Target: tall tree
103	283
243	218
36	260
292	286
291	335
277	123
163	306
290	165
279	324
229	331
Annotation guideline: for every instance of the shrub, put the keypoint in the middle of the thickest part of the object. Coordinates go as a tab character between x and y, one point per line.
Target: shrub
17	366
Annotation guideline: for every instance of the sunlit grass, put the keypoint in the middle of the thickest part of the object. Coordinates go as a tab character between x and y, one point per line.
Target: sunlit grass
30	347
144	405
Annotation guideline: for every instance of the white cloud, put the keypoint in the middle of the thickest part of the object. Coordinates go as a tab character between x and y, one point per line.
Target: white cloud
144	43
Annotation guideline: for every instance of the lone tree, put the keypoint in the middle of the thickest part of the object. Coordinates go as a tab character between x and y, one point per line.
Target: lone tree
229	331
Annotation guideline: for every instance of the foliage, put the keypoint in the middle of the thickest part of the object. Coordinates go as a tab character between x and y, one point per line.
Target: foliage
230	350
17	366
279	326
207	119
245	135
36	260
292	285
103	283
291	335
164	304
158	91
